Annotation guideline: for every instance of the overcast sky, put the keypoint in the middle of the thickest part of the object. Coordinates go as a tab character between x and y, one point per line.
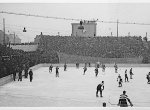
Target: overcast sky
124	12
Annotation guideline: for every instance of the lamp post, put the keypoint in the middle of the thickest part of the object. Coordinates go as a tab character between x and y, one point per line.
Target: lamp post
58	33
14	38
4	43
117	27
111	34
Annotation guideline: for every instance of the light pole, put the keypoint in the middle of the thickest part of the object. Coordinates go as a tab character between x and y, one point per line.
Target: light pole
117	27
4	31
14	37
111	34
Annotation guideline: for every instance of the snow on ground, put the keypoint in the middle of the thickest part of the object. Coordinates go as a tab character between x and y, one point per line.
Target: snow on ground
73	89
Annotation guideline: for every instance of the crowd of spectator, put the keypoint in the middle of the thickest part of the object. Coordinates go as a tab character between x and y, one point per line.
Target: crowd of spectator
19	60
146	58
105	47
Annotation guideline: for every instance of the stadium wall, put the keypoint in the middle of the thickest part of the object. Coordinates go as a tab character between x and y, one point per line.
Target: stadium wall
85	59
6	80
83	64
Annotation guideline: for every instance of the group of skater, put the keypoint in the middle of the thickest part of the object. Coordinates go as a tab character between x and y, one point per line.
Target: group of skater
96	68
120	80
124	100
57	69
18	74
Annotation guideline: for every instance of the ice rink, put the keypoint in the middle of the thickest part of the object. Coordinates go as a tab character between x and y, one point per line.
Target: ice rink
73	89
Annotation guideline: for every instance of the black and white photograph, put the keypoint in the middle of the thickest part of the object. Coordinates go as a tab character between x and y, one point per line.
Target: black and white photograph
75	55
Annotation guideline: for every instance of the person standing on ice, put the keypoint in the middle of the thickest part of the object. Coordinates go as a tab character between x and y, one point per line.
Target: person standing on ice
103	67
50	68
86	64
131	73
96	71
100	88
123	100
31	75
14	74
126	76
89	64
98	64
65	67
20	75
148	77
85	69
116	68
77	65
119	79
57	72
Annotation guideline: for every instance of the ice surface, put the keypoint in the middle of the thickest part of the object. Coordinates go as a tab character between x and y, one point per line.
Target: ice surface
73	89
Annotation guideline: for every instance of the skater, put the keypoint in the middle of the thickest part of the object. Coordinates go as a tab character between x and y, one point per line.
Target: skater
85	69
96	71
65	67
77	65
26	68
89	64
57	72
14	75
120	82
123	100
126	76
20	75
50	68
103	67
119	79
98	64
26	72
100	88
116	68
31	75
148	78
86	64
131	73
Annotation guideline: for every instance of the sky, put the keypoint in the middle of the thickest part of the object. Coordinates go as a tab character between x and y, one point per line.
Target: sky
124	12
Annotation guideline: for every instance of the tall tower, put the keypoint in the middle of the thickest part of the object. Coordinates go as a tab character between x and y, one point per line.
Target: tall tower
84	29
